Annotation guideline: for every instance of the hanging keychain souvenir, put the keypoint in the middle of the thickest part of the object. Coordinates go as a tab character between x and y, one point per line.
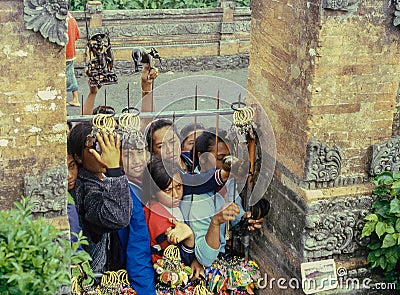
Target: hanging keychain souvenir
129	129
100	122
173	275
242	126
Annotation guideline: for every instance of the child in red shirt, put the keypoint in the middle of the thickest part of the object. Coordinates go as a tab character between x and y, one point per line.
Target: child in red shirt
163	192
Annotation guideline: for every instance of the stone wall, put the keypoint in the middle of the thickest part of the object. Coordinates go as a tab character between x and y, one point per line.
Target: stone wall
186	39
326	74
32	112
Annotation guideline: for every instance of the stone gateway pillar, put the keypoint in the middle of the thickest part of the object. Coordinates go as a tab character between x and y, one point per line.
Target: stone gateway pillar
32	111
327	74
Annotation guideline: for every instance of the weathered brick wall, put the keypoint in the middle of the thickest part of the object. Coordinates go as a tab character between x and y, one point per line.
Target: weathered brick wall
32	113
281	69
327	80
356	81
326	75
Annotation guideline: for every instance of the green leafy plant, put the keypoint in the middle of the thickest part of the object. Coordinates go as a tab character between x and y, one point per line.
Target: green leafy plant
34	258
383	225
152	4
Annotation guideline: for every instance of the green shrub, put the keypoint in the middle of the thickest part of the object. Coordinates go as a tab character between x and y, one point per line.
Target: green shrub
34	258
383	225
154	4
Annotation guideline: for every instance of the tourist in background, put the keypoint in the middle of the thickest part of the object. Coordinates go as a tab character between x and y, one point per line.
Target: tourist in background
70	54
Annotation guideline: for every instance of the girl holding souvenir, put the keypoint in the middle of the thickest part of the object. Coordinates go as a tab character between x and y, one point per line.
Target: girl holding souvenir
162	193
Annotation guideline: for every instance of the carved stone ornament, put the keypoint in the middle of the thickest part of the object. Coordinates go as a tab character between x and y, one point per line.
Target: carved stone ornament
48	192
345	5
335	226
385	157
323	163
396	20
49	17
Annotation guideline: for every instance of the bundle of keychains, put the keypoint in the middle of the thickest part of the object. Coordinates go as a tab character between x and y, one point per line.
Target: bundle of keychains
111	283
227	276
172	276
232	276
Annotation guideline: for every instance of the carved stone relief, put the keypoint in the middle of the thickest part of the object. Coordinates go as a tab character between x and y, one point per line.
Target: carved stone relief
243	26
48	192
345	5
157	30
49	18
396	20
323	163
385	157
228	28
335	226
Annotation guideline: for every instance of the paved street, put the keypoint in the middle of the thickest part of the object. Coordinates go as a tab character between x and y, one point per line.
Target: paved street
173	92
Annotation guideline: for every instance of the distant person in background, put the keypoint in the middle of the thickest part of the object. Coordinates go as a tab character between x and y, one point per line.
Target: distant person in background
189	133
70	52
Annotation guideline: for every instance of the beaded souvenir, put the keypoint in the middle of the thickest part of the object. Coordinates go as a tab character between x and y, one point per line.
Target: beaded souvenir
173	275
232	275
242	125
129	129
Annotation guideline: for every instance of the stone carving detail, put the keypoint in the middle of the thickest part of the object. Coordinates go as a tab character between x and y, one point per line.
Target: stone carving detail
49	18
48	192
385	157
335	226
396	20
228	28
323	163
345	5
244	26
157	30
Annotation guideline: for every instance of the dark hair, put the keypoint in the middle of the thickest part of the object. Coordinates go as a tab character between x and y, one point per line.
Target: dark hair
190	128
108	110
68	147
158	176
77	138
205	142
153	127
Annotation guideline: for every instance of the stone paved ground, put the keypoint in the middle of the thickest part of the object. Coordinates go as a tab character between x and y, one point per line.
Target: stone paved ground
174	91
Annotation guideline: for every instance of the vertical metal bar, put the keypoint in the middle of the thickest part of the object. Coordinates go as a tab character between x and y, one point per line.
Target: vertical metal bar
217	121
105	96
82	105
173	162
128	98
195	128
152	94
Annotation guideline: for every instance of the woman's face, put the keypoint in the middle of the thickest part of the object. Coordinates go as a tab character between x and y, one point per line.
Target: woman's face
188	142
213	158
172	195
72	172
134	162
166	144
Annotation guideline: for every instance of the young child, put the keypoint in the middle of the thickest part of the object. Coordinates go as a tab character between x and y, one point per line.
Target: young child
135	241
102	194
188	134
73	218
163	192
213	210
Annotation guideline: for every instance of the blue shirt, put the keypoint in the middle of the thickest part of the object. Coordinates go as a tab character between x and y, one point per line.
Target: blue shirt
201	211
135	243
